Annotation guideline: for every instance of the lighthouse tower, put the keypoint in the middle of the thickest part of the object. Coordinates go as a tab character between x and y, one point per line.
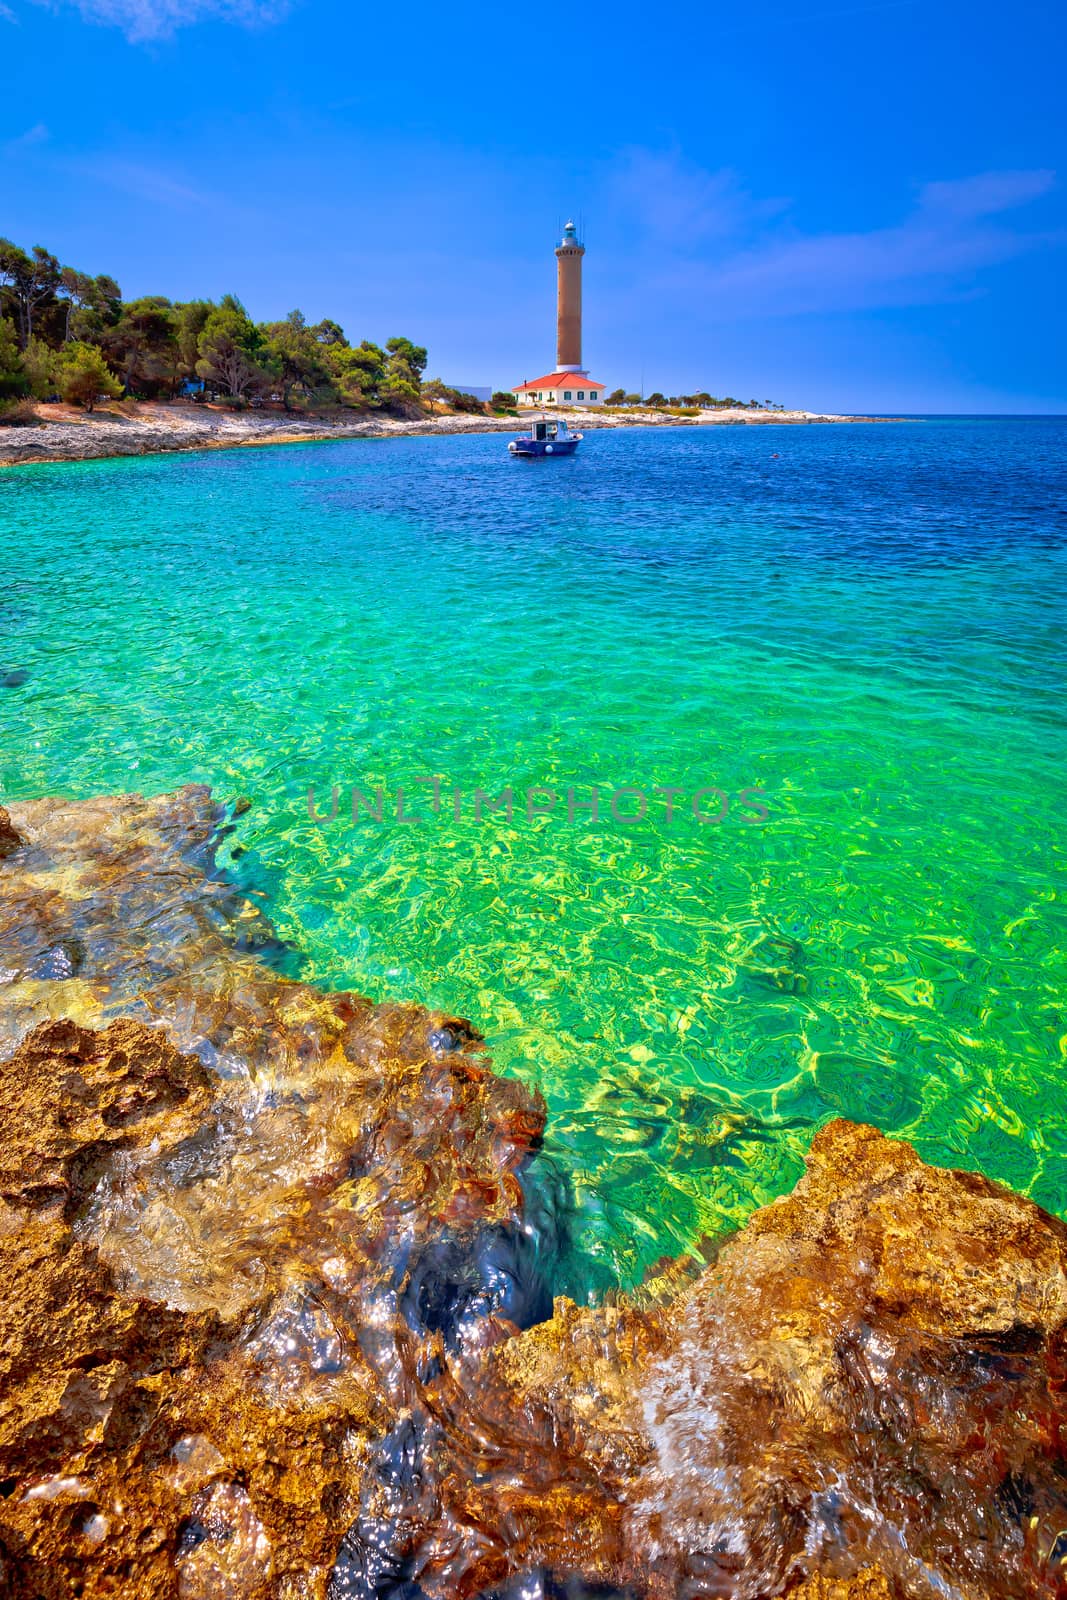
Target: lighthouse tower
569	384
569	253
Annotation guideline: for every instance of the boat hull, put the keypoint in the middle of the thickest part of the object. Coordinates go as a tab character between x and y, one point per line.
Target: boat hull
543	447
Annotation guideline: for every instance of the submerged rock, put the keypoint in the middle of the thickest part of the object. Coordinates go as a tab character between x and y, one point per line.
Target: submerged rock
872	1370
206	1320
266	1259
9	839
871	1373
226	1264
870	1584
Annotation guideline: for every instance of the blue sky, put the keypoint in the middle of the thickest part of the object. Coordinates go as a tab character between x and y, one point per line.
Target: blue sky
834	205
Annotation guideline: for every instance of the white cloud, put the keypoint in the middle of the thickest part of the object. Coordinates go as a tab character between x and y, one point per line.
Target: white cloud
145	20
771	267
985	194
674	200
24	141
146	182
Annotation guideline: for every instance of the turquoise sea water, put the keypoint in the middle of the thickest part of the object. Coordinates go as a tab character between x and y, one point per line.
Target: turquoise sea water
866	622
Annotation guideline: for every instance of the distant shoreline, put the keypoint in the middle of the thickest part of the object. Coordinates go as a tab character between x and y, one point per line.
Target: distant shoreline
151	428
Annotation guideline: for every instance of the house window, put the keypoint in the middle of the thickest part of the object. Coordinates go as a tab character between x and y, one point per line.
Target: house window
566	394
581	394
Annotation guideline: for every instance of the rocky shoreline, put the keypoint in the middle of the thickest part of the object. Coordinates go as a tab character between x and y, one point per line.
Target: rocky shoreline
276	1273
63	434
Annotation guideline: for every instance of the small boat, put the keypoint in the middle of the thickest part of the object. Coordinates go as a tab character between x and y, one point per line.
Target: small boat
547	437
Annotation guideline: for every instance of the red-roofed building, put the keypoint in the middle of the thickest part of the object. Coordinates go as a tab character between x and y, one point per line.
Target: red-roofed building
561	389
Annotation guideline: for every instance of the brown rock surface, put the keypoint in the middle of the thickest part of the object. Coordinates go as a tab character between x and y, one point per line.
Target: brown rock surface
9	839
871	1375
870	1584
219	1268
872	1370
261	1266
190	1397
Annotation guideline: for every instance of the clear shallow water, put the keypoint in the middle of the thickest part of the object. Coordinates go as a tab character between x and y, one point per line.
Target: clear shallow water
869	628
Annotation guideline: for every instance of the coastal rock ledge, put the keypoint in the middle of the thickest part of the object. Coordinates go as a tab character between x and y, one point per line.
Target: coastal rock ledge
138	428
275	1316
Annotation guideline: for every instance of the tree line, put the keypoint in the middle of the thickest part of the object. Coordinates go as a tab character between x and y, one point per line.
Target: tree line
702	399
66	333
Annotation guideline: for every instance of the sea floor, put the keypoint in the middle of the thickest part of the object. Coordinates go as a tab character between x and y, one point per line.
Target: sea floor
862	623
279	1309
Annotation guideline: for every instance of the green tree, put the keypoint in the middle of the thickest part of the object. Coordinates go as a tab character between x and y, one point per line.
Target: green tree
327	332
90	305
30	281
39	365
503	400
398	387
77	289
229	350
656	400
356	372
404	366
434	390
143	348
458	399
103	309
13	380
412	356
190	319
617	397
82	375
293	353
150	344
633	399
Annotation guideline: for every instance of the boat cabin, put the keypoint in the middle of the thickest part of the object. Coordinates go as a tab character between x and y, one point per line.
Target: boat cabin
548	436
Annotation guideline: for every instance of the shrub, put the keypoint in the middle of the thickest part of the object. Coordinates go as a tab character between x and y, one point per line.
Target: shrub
18	413
83	376
468	402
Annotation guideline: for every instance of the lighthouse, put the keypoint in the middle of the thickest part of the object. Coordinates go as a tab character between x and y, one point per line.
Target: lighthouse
568	384
569	253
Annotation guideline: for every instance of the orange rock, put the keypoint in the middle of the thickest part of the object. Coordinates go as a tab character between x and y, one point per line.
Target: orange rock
870	1584
9	839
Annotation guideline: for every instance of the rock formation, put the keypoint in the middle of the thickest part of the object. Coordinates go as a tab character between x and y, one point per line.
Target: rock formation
275	1270
9	839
